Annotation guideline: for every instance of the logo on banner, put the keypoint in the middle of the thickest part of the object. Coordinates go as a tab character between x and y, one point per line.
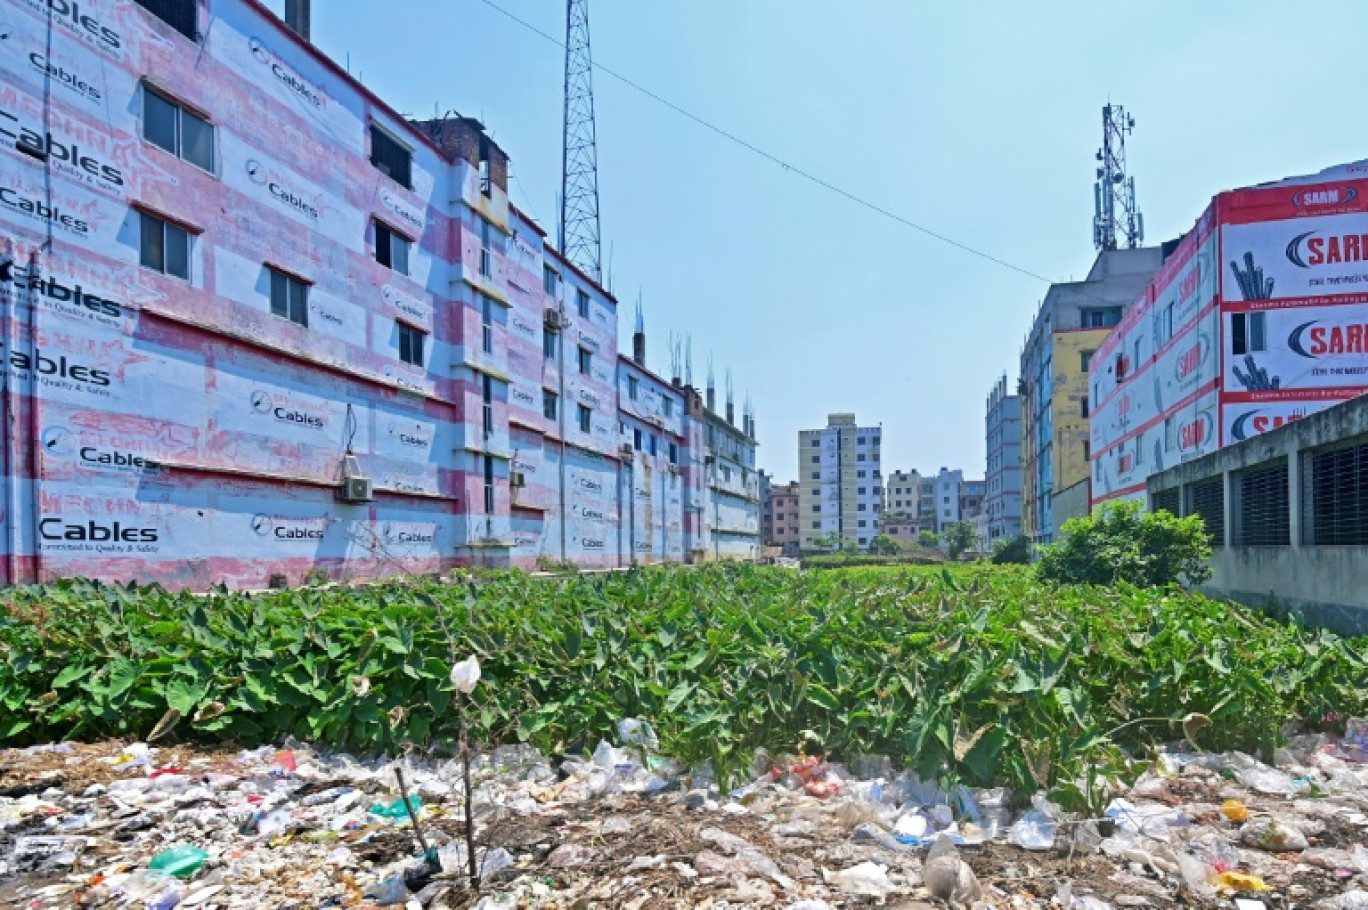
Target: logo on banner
285	75
259	174
74	16
412	437
1307	250
1191	359
28	207
1312	340
403	304
68	158
264	525
390	535
401	208
59	441
59	371
1332	196
263	404
1255	422
58	294
96	532
49	70
1195	433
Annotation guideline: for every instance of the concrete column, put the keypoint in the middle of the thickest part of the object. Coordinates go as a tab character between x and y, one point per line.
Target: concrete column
1228	505
1294	496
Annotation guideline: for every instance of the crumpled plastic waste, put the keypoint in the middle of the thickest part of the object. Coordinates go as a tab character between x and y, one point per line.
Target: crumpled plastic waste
1037	827
864	880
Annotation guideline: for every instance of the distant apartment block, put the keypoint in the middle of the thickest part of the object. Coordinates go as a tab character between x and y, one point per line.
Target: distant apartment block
902	496
1002	502
840	482
781	517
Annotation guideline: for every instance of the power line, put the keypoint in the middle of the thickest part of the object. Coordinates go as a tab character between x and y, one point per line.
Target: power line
774	159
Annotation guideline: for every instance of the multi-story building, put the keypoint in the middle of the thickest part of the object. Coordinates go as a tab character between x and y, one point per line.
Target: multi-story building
781	511
840	482
902	496
1072	322
946	488
261	325
1002	501
972	494
733	485
1257	318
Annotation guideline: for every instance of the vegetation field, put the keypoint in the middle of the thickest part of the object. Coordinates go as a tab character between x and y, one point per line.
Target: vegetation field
980	674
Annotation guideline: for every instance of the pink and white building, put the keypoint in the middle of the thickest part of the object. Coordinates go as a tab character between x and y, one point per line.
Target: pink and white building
1259	316
232	278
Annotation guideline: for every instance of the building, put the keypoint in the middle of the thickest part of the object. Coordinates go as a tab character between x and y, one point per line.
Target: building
972	494
946	488
732	519
902	496
781	517
261	326
1002	432
1256	319
1072	322
840	482
1287	510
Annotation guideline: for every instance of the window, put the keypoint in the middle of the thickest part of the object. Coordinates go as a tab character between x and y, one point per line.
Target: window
863	541
489	485
1101	319
632	384
636	439
549	345
486	324
860	490
817	508
487	400
586	360
1262	517
165	247
391	249
860	457
1335	501
582	303
651	439
816	443
1084	403
486	256
859	473
1120	367
179	14
674	457
1087	451
1247	333
410	344
1207	499
549	279
816	475
172	127
860	507
816	459
862	523
289	297
550	403
859	440
390	158
585	415
1085	358
816	525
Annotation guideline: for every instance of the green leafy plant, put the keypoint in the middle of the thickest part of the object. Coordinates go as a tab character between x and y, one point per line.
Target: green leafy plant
1120	542
929	540
960	537
1016	551
883	545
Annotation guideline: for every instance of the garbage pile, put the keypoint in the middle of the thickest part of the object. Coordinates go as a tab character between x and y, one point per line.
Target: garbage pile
170	826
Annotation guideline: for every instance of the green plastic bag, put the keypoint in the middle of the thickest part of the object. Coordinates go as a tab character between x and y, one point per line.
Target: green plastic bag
182	862
396	809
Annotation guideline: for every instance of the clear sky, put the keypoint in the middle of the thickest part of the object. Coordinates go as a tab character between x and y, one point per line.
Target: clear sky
978	120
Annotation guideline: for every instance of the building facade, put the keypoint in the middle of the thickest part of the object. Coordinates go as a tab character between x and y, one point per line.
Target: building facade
902	496
840	482
732	519
1072	322
1002	432
1256	319
782	518
260	325
946	488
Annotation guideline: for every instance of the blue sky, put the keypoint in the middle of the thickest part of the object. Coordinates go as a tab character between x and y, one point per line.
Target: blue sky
977	120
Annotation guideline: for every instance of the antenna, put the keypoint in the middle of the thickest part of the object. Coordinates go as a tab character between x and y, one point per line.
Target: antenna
579	221
1114	207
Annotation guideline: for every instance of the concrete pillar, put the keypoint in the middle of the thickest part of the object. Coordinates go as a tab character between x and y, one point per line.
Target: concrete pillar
1294	496
1228	505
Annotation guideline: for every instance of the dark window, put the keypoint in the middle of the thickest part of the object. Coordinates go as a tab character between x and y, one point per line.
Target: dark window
585	417
651	440
391	158
391	249
489	485
179	14
586	360
549	345
632	385
487	402
289	297
1262	517
816	475
816	443
636	439
817	508
1084	403
164	247
1101	319
674	454
486	253
410	345
549	279
180	132
669	406
550	404
486	324
1247	333
582	303
1086	359
1165	501
1335	505
816	459
816	525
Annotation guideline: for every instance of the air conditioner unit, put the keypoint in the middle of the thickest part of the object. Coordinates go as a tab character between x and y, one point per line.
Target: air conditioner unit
674	469
555	321
517	479
709	459
356	487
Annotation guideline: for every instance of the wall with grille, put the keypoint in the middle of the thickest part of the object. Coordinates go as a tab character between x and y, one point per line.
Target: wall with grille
1288	514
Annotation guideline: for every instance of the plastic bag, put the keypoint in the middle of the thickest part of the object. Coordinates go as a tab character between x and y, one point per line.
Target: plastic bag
1037	828
182	862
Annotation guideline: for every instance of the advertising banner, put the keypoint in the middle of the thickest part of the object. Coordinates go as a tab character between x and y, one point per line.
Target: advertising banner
1247	419
1274	351
1295	259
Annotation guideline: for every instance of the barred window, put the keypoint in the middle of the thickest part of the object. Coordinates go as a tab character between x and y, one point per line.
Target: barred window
179	14
1207	499
1335	504
1262	517
1165	501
